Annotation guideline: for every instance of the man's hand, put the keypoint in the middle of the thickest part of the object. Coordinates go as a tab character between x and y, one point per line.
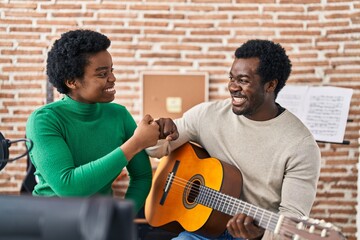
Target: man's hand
167	128
242	226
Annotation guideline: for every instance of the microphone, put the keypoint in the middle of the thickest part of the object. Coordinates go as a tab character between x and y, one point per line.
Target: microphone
4	150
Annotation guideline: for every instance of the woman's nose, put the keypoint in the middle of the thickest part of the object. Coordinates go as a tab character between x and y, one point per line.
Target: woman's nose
112	78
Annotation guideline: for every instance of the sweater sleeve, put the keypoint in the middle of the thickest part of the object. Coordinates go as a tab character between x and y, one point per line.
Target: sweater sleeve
140	171
300	180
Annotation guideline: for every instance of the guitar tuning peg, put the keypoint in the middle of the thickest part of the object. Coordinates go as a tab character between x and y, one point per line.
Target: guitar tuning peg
300	225
316	221
296	237
312	229
323	233
328	225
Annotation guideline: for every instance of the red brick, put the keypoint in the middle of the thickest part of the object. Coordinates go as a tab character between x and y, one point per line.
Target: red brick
172	63
195	8
181	47
73	15
164	16
329	195
24	14
205	56
202	40
60	6
299	17
6	44
164	32
213	64
67	22
143	7
208	17
120	31
343	31
147	24
19	5
280	8
160	55
5	60
119	23
22	69
103	6
168	1
210	32
329	8
211	1
300	2
117	16
328	24
255	1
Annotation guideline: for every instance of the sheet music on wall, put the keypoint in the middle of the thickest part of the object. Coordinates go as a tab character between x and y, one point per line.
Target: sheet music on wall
323	109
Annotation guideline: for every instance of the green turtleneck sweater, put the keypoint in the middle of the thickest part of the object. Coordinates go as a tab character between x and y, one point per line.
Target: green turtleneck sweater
77	151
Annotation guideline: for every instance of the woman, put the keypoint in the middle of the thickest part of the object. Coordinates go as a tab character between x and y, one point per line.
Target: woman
83	141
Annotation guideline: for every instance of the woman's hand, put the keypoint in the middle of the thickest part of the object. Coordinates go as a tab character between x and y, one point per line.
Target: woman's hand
147	133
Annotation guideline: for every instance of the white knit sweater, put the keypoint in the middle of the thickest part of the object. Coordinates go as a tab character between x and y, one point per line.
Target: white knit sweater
279	158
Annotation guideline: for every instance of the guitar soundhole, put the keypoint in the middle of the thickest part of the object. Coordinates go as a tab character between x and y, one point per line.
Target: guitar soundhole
192	191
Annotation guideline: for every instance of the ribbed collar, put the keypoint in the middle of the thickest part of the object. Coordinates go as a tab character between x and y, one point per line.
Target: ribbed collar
83	110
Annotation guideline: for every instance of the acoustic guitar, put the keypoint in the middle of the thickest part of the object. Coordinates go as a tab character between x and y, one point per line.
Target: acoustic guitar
194	192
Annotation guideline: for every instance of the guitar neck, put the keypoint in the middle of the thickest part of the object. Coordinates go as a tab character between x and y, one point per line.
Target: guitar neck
232	206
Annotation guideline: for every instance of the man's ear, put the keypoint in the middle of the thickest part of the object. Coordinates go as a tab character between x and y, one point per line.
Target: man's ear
271	86
71	83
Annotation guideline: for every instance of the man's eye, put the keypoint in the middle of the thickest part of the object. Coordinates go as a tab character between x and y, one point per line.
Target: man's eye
244	81
239	80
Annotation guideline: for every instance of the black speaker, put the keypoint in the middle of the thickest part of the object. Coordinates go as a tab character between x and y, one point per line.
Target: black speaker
44	218
4	151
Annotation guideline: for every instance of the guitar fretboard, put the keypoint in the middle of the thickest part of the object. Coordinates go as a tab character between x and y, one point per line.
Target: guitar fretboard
232	206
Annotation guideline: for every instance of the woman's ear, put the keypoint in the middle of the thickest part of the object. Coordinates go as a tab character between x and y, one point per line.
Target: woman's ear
70	84
271	86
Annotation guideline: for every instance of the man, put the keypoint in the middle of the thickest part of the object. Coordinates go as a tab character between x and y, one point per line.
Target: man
276	154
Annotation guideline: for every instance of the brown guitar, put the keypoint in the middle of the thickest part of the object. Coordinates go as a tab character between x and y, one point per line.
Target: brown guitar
194	192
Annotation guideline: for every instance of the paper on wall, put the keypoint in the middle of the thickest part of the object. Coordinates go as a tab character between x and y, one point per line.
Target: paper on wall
324	110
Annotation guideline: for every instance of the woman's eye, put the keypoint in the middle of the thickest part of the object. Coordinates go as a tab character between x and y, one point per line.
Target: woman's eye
103	74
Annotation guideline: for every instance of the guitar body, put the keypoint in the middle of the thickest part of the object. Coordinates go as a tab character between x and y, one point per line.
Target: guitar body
170	203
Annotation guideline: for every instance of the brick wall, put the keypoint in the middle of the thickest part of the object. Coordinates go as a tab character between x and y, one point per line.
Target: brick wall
322	38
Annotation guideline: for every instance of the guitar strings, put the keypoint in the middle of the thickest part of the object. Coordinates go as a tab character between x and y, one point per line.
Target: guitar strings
220	199
210	197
